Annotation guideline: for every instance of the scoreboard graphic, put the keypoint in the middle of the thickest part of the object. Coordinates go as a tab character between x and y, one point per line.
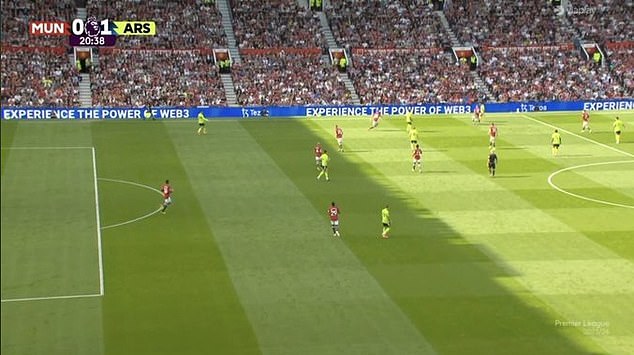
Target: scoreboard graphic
91	32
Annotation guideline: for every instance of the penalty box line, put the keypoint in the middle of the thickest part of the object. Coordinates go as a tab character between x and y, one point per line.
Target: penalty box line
99	239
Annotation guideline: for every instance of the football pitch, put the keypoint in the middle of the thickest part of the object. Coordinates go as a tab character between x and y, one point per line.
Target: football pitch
536	260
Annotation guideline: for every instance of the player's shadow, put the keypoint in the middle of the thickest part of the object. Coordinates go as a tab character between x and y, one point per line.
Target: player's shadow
438	172
511	176
438	277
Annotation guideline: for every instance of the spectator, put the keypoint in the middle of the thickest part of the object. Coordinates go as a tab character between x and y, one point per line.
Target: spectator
283	79
414	77
156	78
181	24
603	20
542	75
275	23
41	78
507	23
373	24
16	15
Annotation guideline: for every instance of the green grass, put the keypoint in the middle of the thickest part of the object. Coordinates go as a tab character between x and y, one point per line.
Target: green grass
244	261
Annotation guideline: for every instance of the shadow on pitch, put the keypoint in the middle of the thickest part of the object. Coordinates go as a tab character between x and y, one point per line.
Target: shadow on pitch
511	176
438	277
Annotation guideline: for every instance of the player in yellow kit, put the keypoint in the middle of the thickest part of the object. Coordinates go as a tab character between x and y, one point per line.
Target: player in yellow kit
555	139
408	119
618	129
387	222
201	124
413	137
325	159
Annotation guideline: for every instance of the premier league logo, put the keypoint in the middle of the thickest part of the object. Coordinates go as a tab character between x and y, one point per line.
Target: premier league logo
92	27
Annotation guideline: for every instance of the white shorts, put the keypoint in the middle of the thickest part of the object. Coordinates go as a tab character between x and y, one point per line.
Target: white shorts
586	124
168	201
491	139
318	160
375	123
334	223
415	160
340	141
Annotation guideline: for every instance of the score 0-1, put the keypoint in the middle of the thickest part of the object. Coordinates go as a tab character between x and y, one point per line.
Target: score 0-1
104	33
92	33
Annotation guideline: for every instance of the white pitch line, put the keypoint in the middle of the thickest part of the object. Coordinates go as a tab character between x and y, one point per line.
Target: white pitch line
132	220
98	214
550	182
44	148
50	298
578	136
138	218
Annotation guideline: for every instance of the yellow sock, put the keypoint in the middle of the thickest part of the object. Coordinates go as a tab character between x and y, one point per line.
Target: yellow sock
327	178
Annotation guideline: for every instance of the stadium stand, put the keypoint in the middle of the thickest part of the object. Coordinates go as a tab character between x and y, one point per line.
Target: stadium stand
603	20
156	78
547	73
16	15
38	77
621	63
275	23
377	24
527	53
411	77
506	23
36	71
182	24
288	79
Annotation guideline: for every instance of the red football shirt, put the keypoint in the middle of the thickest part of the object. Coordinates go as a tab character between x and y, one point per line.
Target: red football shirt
493	131
417	153
333	212
166	190
318	151
339	133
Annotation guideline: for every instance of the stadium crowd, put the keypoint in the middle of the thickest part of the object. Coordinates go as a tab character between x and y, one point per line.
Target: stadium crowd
543	74
41	76
181	24
38	78
506	23
275	23
380	24
288	79
621	63
16	15
603	20
156	78
395	78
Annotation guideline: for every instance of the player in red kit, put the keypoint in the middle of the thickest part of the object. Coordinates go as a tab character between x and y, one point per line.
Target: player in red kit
417	156
493	134
476	115
375	119
333	213
166	190
318	152
339	135
585	119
